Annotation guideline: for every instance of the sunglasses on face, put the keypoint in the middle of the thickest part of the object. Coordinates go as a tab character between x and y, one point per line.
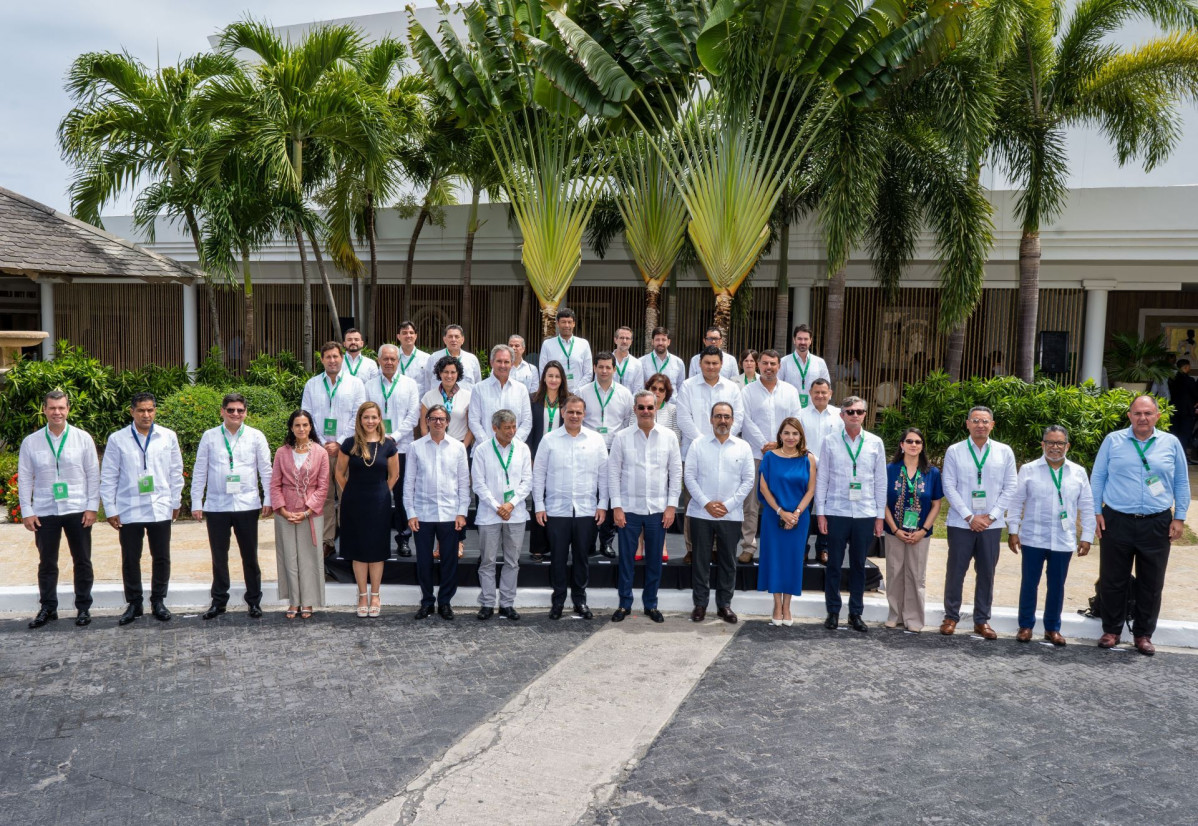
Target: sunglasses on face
854	412
235	411
648	407
912	442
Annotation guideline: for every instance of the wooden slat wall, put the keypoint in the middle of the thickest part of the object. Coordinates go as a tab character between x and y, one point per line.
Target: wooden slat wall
1123	308
123	325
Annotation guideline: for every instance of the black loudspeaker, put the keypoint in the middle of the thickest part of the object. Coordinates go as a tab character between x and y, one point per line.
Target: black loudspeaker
348	321
1054	351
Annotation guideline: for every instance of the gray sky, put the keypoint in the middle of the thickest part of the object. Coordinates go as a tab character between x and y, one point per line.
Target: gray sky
40	38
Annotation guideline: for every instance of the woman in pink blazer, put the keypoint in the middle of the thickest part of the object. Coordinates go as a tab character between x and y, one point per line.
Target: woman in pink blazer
297	490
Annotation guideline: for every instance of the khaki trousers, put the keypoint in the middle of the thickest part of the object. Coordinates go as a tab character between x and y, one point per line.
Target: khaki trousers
906	567
748	528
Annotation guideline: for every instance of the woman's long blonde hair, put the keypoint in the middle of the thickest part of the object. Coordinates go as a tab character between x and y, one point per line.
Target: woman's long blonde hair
360	433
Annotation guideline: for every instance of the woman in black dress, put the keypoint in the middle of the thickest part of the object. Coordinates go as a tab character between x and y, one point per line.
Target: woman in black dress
367	469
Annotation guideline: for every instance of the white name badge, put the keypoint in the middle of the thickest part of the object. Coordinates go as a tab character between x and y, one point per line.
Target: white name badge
1067	524
978	501
856	494
233	483
1155	486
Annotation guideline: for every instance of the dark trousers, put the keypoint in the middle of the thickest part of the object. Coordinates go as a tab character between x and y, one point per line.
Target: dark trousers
607	529
243	525
445	535
1034	562
655	543
570	539
821	539
1183	429
79	539
159	536
855	536
538	539
725	536
1144	541
399	514
981	548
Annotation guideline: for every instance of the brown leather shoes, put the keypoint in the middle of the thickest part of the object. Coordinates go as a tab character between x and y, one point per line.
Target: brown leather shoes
948	627
1024	635
745	558
726	615
699	613
686	560
1144	646
1108	640
984	631
1054	637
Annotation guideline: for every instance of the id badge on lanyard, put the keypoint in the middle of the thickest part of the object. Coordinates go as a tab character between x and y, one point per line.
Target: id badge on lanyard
856	494
910	520
978	500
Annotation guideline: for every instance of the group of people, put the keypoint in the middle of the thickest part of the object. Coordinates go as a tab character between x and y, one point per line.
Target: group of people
749	454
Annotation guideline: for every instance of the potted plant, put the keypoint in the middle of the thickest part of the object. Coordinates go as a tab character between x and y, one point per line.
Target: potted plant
1136	364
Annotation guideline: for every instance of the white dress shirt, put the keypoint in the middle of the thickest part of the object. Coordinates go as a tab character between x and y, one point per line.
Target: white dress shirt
818	427
527	375
215	469
347	395
960	477
459	421
489	397
672	367
76	466
574	354
472	371
835	494
1035	510
719	472
491	482
764	411
633	375
363	368
791	372
126	465
644	472
694	402
414	365
729	369
436	481
569	476
399	399
608	418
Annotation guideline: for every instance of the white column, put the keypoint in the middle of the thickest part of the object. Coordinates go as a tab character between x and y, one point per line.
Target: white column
800	306
1095	335
191	333
47	301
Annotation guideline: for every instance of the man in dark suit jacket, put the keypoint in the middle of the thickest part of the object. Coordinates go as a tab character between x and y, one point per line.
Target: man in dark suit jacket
1183	392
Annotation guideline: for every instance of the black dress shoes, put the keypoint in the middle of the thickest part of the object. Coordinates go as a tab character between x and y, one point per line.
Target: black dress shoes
655	615
856	623
84	618
446	612
555	613
726	614
608	551
424	612
405	549
43	616
509	614
619	614
485	612
698	613
132	612
582	612
213	611
255	611
158	610
832	622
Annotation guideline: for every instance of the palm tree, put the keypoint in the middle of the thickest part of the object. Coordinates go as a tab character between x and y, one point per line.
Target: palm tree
1057	72
293	102
130	123
477	167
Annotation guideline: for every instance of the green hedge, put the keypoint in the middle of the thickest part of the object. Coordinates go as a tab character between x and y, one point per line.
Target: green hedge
938	407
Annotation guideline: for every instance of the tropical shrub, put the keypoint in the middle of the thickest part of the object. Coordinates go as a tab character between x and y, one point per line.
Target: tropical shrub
212	371
95	404
939	407
260	401
9	500
282	373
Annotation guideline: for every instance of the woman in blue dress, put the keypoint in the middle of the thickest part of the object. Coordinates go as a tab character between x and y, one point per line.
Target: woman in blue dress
787	487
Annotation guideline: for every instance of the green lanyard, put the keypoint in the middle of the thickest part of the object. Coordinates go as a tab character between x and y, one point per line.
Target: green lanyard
849	450
603	402
621	370
746	380
61	444
1143	451
911	483
1057	478
386	393
552	408
982	463
353	371
802	370
331	393
228	446
507	482
569	354
403	368
656	367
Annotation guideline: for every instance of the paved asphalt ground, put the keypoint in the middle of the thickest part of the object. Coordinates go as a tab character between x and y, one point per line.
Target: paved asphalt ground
243	721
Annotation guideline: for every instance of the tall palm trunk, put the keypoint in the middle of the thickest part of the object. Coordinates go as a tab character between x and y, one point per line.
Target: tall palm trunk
193	226
782	290
334	316
548	320
723	314
835	320
652	313
372	288
954	353
1029	304
525	311
309	345
672	303
467	264
407	279
249	344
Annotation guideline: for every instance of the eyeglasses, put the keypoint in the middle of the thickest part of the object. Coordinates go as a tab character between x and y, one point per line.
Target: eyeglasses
436	419
645	407
854	412
912	442
979	421
722	416
1055	444
235	411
